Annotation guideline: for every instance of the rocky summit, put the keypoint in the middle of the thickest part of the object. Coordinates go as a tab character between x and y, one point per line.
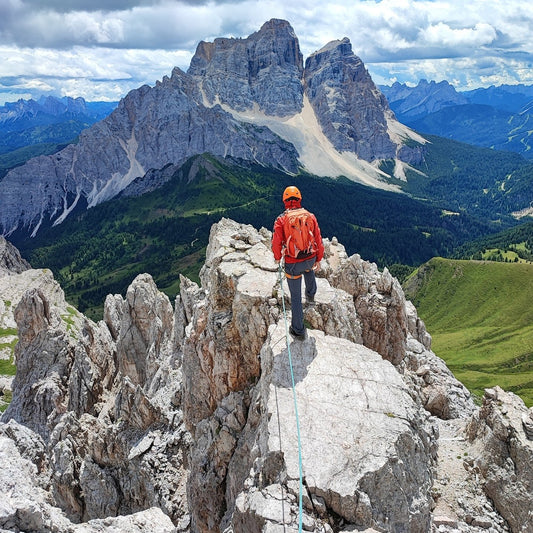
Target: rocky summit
251	99
183	418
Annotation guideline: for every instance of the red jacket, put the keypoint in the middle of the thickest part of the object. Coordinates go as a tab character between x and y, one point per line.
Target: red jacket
279	238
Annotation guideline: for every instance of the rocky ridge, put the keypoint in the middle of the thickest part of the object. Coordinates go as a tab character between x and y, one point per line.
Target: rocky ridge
162	418
244	98
14	280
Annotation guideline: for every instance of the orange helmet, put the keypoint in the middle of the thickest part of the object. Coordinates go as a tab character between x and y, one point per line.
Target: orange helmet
291	192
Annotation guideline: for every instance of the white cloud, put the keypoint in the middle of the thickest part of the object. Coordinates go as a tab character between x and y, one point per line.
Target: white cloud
93	73
115	45
443	35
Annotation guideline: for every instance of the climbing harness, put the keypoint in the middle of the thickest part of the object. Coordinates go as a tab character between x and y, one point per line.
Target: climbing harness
298	276
300	469
290	276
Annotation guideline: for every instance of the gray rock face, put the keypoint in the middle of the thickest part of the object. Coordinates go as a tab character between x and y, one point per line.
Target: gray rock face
265	69
105	402
25	506
183	419
351	110
10	260
14	283
505	456
150	128
357	440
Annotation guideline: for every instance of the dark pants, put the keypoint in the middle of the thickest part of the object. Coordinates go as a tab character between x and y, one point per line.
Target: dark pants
305	269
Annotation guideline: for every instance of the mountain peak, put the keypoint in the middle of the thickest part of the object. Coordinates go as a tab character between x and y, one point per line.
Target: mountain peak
277	25
263	70
410	103
343	46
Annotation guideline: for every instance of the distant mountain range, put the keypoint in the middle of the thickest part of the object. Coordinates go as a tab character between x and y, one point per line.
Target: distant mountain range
19	115
30	128
494	117
48	119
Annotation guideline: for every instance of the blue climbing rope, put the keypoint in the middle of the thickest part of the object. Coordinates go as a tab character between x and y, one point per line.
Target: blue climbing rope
300	468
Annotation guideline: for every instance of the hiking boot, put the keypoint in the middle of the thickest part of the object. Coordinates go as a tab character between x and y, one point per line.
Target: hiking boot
299	336
310	299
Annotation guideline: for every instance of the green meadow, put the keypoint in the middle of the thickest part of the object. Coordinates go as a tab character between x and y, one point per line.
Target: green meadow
480	316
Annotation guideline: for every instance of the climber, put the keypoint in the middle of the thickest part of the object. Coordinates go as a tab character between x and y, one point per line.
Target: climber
298	243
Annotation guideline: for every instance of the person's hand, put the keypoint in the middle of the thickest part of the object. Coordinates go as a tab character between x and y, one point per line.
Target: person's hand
316	266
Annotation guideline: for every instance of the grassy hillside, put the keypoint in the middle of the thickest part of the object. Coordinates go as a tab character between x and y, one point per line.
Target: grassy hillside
480	316
512	245
165	232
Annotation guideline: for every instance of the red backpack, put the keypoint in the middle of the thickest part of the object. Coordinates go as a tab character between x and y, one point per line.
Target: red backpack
298	227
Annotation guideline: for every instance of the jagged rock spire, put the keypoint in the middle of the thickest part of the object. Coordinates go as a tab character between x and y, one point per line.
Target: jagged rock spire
264	69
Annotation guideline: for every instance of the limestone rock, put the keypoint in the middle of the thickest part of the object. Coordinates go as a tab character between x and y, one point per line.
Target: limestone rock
15	285
96	395
24	506
228	327
142	327
380	304
504	456
332	312
357	423
10	260
15	279
527	423
351	110
152	520
438	389
264	69
162	419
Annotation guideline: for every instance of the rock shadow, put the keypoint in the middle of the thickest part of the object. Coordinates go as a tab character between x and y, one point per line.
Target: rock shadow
302	354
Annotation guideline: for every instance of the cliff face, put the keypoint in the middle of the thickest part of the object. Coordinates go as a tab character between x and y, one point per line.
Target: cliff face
351	110
10	260
264	69
163	418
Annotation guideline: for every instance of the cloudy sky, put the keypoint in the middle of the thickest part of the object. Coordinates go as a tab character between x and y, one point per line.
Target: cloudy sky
101	49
